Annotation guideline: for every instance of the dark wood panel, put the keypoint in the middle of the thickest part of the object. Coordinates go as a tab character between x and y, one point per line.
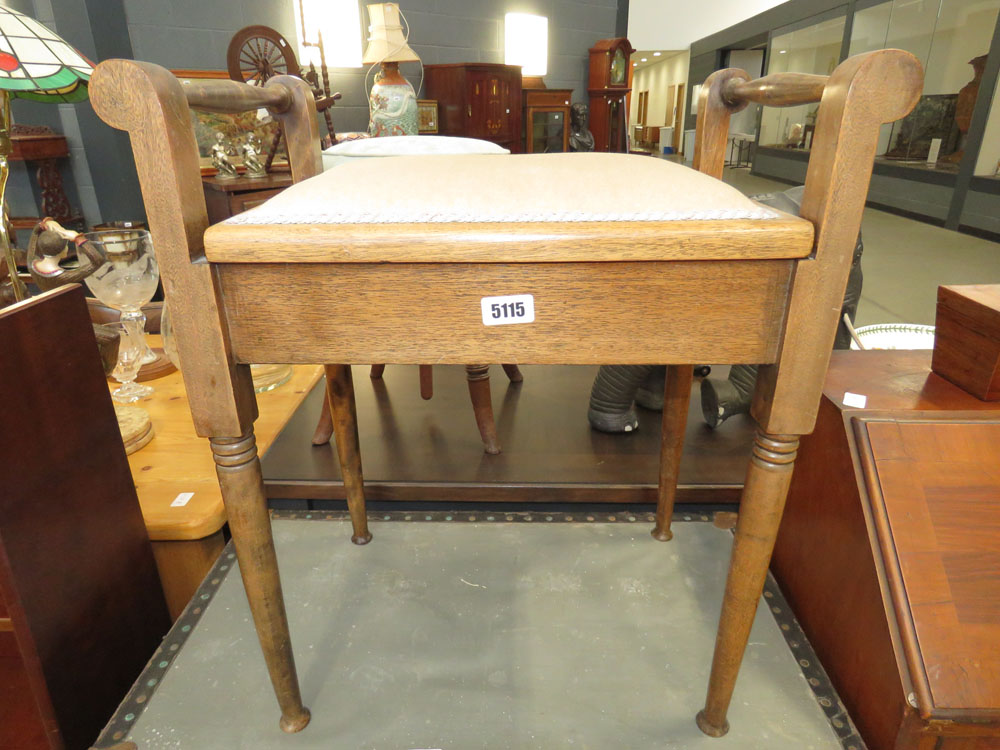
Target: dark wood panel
430	450
76	569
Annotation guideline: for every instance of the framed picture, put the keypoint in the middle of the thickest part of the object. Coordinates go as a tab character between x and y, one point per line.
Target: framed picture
234	128
427	116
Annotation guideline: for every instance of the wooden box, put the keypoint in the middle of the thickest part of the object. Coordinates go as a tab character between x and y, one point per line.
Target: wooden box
887	552
967	338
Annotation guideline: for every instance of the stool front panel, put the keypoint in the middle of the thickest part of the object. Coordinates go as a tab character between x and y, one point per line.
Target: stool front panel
584	313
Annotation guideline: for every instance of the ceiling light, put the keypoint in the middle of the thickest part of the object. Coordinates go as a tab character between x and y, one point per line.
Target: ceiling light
782	51
634	64
643	59
656	54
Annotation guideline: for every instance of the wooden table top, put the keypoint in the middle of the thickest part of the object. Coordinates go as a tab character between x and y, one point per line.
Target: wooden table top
177	461
934	486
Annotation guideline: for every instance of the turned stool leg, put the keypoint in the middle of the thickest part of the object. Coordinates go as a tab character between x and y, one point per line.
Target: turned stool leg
243	492
482	405
340	389
763	500
426	382
513	373
324	425
676	397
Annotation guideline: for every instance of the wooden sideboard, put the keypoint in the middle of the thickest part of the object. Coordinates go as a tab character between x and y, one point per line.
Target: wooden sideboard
887	552
477	100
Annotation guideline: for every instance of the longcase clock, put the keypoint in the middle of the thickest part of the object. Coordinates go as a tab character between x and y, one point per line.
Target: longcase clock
607	88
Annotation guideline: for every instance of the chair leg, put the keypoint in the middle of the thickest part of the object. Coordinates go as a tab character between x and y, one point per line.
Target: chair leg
246	505
340	390
324	425
763	500
482	405
426	382
676	398
376	372
513	373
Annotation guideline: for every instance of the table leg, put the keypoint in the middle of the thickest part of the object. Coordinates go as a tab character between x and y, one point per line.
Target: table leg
426	382
676	398
340	390
324	425
246	505
513	373
763	500
482	405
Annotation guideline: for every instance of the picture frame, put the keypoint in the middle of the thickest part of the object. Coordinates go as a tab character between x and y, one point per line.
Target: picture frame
234	127
427	116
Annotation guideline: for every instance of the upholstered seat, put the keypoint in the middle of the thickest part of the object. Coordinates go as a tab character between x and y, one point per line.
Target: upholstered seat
524	208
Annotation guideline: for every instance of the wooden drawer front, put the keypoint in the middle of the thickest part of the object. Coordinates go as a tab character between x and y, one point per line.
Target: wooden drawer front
420	313
240	202
557	98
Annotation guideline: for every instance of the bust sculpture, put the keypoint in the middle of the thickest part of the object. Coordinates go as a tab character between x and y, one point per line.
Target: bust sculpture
580	137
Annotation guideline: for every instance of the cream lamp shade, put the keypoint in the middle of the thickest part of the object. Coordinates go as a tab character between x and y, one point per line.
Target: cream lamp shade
386	42
526	43
339	23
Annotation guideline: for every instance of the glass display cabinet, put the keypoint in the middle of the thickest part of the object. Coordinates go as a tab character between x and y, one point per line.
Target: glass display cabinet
546	120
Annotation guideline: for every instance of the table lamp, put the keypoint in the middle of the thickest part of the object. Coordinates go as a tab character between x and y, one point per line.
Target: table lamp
34	64
393	102
526	43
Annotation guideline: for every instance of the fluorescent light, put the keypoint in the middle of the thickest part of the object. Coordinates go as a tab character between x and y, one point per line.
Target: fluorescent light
526	43
782	51
340	22
642	59
656	54
634	64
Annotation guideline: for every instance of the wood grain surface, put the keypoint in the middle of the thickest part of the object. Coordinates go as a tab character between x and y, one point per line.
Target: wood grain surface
363	313
176	461
76	571
535	242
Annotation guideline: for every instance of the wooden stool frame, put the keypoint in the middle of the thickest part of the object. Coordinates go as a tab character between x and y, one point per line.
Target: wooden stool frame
238	304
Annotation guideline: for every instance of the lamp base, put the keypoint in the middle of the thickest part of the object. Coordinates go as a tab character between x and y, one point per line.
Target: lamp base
393	104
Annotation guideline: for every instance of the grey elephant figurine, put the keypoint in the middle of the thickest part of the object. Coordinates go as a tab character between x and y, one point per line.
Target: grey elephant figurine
618	388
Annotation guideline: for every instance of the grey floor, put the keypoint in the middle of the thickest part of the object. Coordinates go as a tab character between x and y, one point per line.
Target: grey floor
904	260
486	635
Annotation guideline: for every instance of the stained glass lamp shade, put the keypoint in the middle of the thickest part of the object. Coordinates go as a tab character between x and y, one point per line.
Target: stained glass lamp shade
34	64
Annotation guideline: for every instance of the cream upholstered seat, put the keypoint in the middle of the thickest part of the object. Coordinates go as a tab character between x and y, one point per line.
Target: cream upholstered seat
489	188
513	208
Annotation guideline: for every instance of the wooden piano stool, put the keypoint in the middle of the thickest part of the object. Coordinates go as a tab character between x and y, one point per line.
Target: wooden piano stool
622	288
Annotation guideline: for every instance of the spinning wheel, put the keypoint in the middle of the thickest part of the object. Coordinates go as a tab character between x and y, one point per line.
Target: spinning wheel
258	52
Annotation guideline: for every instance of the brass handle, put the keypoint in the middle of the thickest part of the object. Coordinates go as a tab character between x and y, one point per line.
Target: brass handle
470	110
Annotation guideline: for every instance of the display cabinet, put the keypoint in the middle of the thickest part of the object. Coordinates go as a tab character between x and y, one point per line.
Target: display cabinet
546	120
477	100
607	87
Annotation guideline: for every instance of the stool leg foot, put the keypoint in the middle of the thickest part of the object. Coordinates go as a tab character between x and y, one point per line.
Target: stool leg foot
710	729
676	397
242	487
340	389
295	722
763	500
482	405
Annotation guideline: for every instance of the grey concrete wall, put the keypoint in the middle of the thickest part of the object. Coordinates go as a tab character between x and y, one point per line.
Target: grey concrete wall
982	211
196	33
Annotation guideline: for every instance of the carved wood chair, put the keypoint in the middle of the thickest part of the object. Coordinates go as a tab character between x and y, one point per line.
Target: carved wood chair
763	288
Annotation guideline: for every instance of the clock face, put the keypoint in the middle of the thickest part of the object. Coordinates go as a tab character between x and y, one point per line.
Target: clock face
618	68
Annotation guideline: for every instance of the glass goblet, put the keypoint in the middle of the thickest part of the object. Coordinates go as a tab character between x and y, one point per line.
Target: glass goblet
126	280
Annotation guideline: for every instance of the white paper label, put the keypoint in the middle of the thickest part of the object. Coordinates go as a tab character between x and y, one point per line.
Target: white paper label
181	500
512	308
934	150
855	399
